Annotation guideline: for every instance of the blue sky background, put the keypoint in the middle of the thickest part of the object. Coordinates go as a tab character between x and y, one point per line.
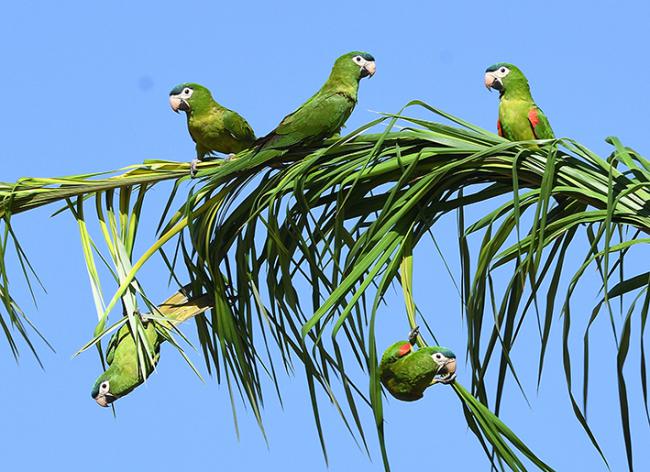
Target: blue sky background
84	88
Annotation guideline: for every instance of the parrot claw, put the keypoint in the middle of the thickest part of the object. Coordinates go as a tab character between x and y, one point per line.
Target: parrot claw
444	379
413	334
447	379
193	165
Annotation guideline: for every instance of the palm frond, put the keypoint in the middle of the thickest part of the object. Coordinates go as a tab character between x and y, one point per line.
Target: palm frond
342	219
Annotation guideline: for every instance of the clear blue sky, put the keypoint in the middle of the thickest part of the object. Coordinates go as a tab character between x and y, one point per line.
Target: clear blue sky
84	88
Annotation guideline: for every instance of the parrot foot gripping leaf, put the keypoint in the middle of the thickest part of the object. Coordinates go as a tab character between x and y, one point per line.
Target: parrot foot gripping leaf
413	335
406	373
445	379
193	163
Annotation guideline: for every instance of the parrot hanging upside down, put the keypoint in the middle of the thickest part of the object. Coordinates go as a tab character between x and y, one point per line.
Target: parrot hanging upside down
325	113
212	126
520	119
406	374
123	373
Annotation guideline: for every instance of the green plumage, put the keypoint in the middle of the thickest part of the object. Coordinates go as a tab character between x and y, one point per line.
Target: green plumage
406	374
325	113
123	373
213	127
520	118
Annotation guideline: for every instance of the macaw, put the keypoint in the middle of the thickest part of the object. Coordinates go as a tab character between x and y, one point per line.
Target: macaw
212	126
325	113
123	373
406	373
520	119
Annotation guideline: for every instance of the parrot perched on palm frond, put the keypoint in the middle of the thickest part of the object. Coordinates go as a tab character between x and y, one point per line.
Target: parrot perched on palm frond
325	113
406	374
123	373
520	119
212	126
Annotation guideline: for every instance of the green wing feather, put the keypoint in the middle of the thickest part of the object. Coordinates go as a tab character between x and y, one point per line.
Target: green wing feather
238	127
112	346
319	118
409	376
393	354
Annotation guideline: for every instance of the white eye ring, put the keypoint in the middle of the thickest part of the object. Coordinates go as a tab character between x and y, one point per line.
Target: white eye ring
357	58
502	72
438	356
104	387
187	91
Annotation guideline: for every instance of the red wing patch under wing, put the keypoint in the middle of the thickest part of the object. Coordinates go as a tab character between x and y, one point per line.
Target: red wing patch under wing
533	117
499	129
404	349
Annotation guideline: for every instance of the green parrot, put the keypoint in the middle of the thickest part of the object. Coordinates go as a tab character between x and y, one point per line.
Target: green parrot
406	374
123	373
520	119
325	113
212	126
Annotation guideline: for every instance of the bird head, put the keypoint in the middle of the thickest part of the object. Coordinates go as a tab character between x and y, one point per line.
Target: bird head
358	64
184	96
118	380
106	391
503	77
444	359
124	372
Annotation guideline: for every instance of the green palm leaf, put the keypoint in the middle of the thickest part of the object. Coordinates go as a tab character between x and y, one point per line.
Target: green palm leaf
343	219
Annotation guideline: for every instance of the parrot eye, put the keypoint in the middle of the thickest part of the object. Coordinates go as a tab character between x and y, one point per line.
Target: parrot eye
503	71
187	91
438	356
357	58
104	386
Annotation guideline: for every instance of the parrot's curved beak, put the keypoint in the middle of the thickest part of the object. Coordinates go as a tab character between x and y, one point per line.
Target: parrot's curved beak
105	399
446	373
178	103
492	81
449	368
368	69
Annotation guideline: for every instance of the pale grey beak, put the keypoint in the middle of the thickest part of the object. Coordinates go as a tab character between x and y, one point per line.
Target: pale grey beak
174	102
178	104
370	67
449	368
105	400
492	81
